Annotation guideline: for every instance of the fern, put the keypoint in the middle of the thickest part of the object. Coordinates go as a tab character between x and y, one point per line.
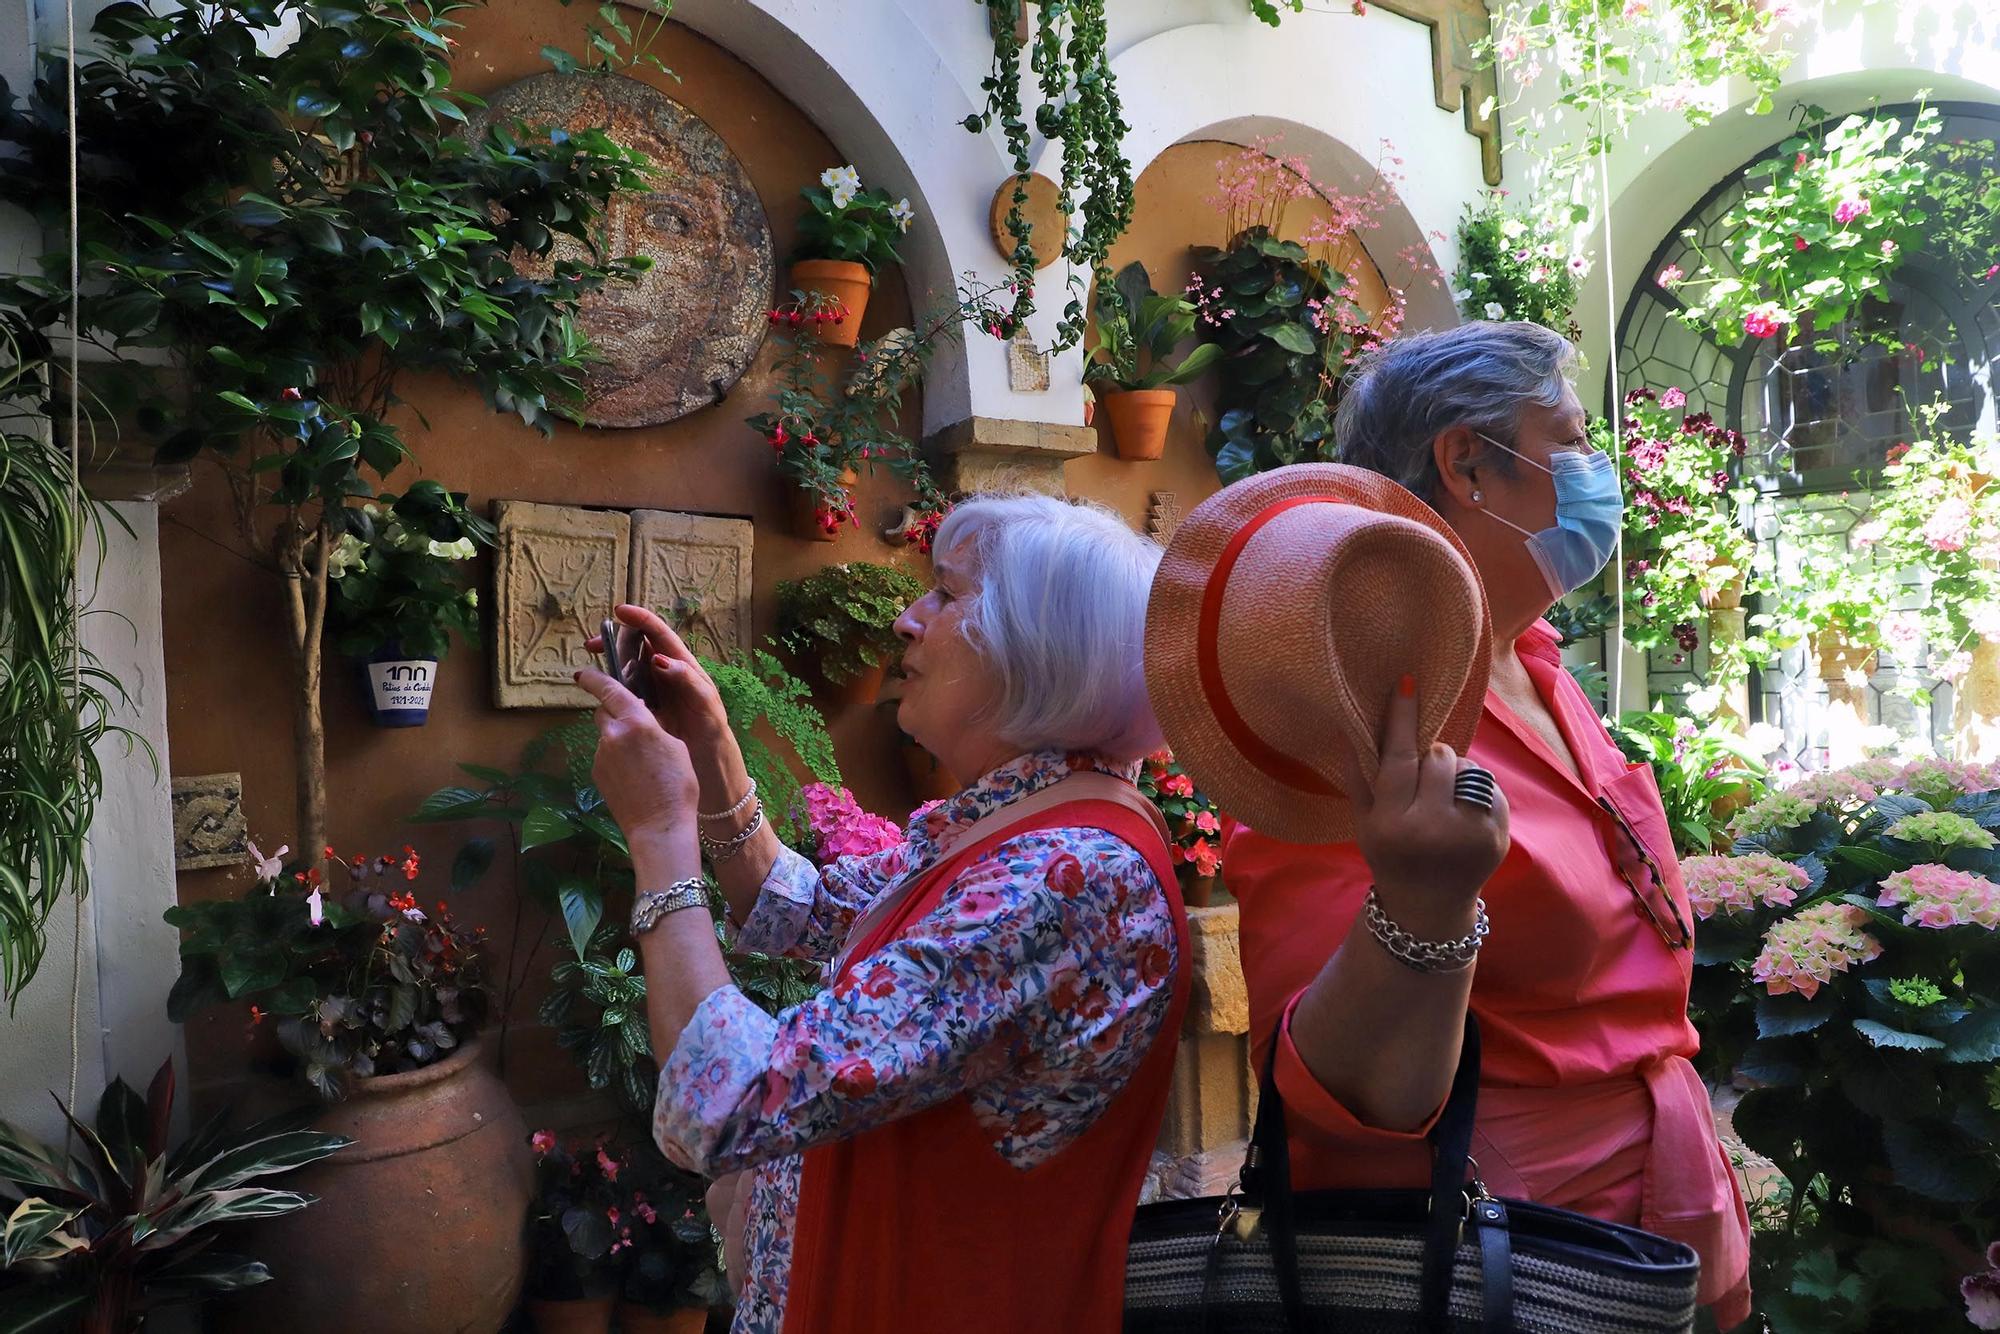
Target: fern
760	691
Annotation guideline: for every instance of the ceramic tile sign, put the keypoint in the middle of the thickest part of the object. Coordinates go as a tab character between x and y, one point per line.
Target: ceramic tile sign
558	572
399	688
208	822
695	570
675	340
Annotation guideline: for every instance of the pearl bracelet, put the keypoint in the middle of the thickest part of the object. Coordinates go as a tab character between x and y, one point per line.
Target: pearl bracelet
1426	956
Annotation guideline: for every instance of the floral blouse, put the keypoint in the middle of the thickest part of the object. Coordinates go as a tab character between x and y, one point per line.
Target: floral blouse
1035	989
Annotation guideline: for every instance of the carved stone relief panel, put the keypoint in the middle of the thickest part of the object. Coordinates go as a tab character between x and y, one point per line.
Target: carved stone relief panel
558	572
679	337
1163	516
695	571
208	822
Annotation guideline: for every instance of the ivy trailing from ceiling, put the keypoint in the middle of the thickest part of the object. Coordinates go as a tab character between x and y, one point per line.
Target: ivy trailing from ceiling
1079	109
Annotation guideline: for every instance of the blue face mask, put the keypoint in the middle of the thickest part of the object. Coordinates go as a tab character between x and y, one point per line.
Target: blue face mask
1590	511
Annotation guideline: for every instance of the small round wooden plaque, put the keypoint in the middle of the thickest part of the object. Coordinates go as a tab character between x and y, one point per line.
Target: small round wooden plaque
1049	222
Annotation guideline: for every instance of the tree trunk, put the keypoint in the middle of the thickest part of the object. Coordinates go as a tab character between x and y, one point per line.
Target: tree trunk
306	587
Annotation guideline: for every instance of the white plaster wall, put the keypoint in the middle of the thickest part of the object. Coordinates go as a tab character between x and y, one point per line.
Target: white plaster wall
127	957
890	80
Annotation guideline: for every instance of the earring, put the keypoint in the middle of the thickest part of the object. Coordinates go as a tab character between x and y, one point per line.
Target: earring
1478	496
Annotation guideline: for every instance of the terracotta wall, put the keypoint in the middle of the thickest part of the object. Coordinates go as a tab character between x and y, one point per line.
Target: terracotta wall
226	661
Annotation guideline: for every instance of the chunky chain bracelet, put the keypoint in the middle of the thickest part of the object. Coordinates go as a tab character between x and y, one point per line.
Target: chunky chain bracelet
1426	956
720	850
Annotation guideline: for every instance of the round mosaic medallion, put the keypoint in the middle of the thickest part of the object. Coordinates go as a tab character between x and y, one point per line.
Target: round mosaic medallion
678	338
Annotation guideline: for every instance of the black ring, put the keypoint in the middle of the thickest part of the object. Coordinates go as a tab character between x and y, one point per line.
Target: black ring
1475	787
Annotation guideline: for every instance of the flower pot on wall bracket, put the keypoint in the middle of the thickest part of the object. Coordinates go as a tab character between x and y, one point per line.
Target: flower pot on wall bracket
843	282
807	522
859	690
398	686
1139	420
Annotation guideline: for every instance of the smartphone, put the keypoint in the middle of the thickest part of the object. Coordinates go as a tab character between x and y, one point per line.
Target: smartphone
633	675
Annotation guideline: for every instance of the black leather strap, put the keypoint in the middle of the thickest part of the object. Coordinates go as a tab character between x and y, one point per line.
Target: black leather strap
1496	1265
1268	1185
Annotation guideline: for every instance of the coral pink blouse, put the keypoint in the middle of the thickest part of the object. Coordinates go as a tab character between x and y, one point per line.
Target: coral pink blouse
1587	1100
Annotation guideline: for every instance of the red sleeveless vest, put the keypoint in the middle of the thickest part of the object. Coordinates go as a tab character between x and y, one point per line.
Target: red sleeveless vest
922	1225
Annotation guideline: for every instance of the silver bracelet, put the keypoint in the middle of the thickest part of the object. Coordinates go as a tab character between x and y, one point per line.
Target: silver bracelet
733	811
1426	956
649	907
720	850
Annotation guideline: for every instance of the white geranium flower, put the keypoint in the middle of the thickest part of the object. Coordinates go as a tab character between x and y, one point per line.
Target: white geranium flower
843	182
1704	700
1495	311
1762	739
903	214
462	549
348	553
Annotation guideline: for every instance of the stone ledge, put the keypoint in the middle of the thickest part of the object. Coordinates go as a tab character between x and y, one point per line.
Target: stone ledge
993	453
1220	1001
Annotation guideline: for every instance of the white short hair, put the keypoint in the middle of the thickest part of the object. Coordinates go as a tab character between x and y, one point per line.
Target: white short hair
1060	615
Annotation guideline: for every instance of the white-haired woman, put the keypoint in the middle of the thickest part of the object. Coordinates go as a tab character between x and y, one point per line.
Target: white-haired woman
953	1134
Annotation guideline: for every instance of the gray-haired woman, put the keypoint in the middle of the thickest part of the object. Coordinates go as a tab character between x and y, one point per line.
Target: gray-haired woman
1587	1100
954	1133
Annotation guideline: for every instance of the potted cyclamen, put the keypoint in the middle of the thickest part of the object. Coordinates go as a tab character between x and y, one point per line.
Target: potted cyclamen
845	234
842	621
376	1003
396	591
1137	331
1193	821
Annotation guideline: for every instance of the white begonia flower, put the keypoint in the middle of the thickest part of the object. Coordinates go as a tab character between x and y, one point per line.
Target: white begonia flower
903	214
843	182
462	549
1761	739
348	553
1495	311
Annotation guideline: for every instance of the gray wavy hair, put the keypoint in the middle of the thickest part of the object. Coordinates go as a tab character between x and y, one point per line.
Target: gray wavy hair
1060	616
1400	396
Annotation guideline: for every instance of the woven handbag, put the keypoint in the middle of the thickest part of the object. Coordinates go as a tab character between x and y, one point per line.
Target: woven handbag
1439	1261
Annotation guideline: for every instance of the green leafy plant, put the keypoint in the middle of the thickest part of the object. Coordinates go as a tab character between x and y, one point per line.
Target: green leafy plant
1848	970
842	619
824	428
396	572
846	222
1837	593
366	984
123	1223
1705	770
1285	330
295	224
612	1216
597	1006
1842	207
1515	266
674	1259
1137	332
574	1220
1581	616
56	700
1069	55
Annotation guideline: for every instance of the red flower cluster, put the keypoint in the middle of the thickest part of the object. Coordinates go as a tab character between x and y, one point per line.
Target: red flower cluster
798	316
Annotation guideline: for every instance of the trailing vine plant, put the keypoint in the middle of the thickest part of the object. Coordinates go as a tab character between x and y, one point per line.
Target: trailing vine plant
1079	109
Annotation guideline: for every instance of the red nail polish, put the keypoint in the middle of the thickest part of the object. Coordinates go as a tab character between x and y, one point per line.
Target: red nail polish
1407	686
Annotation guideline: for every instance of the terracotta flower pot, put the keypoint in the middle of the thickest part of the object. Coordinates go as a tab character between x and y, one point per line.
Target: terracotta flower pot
1139	421
805	510
857	691
588	1315
1837	655
418	1228
842	281
639	1320
1727	598
1197	890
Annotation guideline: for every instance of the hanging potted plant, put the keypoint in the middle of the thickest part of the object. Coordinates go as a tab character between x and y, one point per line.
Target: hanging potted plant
1137	332
845	234
1193	821
396	583
377	1004
842	621
121	1223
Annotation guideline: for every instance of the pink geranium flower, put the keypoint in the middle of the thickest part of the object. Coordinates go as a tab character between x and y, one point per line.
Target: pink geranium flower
1765	320
1673	398
1670	275
1850	208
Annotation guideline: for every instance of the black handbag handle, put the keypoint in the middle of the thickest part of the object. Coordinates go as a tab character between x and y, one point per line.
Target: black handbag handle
1267	1182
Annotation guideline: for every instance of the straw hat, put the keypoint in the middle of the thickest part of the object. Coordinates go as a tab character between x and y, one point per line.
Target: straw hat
1285	612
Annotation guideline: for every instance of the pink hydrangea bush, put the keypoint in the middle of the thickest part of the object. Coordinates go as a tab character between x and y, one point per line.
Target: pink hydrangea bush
840	828
1741	884
1803	952
1937	896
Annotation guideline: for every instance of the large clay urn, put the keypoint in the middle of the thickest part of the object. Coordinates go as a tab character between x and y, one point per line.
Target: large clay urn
419	1225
